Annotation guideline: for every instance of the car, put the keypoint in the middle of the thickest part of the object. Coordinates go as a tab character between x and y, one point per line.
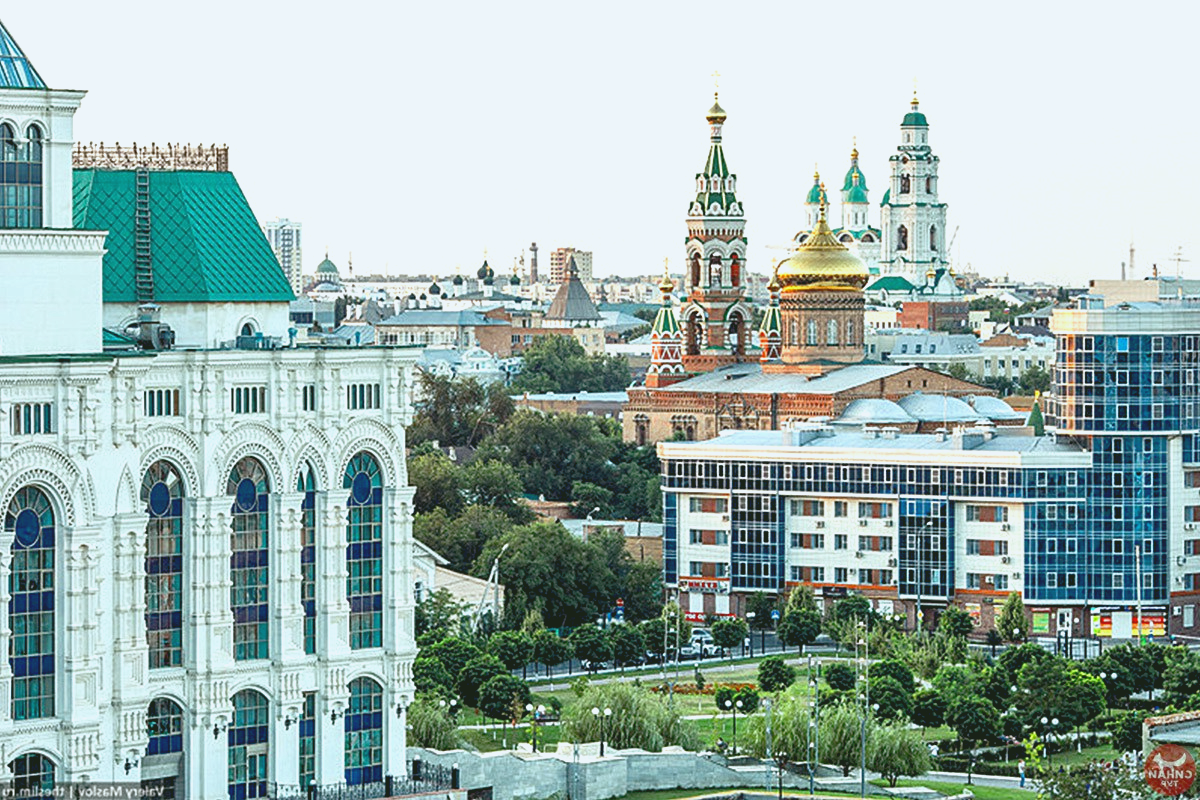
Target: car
592	666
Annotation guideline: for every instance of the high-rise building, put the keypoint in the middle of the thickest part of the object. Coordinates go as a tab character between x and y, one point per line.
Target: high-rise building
208	549
284	237
560	261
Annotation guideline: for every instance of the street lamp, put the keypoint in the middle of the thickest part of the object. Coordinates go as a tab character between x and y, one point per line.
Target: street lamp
733	706
540	710
603	717
1049	725
781	760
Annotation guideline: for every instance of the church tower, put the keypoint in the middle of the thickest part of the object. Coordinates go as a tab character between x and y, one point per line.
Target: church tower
716	318
854	196
912	218
812	203
666	341
770	330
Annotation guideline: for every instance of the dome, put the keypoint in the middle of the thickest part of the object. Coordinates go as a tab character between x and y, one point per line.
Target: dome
327	267
434	289
485	271
514	280
995	409
822	262
716	114
938	408
915	118
857	194
814	194
458	280
875	411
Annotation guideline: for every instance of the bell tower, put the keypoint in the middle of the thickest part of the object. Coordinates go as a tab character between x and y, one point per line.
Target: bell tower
716	317
912	218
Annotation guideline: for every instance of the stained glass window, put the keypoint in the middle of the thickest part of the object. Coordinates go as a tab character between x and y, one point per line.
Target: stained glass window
248	741
364	732
162	492
249	563
30	519
364	551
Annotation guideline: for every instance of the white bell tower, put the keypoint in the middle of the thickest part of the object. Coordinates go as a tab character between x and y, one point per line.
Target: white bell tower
912	218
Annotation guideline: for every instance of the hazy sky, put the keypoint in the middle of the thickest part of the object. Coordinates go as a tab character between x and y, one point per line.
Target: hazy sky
418	134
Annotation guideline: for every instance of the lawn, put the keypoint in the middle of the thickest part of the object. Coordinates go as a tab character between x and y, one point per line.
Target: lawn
981	792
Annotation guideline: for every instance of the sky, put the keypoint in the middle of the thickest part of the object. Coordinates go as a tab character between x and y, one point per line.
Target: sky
417	136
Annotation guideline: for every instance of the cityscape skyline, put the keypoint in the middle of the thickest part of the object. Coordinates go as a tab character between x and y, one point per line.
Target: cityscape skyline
494	150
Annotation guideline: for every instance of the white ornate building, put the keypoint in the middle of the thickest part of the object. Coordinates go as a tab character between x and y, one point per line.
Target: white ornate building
206	553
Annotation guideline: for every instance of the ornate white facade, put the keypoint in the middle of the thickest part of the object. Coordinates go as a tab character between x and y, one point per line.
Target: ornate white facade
912	218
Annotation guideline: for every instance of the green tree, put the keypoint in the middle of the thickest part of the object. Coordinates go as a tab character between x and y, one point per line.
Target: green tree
431	726
1054	687
789	726
761	605
560	364
959	371
513	648
898	670
502	695
552	451
627	644
429	676
1035	379
438	484
454	653
975	719
550	650
846	615
589	500
775	674
955	683
799	627
955	622
893	701
438	611
840	676
457	412
640	719
671	619
1141	663
729	633
839	730
1118	680
460	539
476	673
1012	624
895	750
1012	659
802	598
1126	730
642	591
494	484
591	644
929	709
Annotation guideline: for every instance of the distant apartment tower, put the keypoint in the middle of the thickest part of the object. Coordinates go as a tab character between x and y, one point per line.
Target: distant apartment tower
562	256
284	236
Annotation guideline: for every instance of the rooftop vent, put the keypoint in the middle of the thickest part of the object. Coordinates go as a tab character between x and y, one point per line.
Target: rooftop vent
152	333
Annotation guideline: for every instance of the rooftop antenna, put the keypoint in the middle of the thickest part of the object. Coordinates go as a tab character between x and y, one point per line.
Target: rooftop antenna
1131	272
1179	259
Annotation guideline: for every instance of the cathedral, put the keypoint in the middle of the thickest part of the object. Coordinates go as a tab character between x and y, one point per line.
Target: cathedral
206	550
706	375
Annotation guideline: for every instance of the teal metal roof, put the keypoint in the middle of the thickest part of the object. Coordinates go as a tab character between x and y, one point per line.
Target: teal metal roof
857	194
814	194
891	283
16	71
914	118
206	245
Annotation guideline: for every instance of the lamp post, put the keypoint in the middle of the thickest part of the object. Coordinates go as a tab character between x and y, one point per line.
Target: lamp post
603	716
537	714
1050	725
750	615
780	761
814	729
731	705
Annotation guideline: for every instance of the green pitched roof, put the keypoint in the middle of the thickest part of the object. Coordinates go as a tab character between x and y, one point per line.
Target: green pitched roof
206	245
665	321
887	196
891	283
16	71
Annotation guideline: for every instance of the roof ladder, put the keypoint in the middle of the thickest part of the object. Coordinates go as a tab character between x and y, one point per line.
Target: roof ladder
143	265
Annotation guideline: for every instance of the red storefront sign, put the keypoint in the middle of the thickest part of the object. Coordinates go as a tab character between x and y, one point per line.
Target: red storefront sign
1170	770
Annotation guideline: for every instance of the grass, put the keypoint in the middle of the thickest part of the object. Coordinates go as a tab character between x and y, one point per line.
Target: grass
1102	752
981	792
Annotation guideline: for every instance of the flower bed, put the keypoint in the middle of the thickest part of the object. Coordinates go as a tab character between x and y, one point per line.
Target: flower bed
709	688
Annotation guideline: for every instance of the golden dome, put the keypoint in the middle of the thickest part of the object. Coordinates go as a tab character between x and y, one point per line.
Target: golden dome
822	263
716	114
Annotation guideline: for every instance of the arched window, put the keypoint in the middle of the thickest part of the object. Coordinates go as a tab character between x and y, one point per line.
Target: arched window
735	270
248	741
30	520
794	333
249	565
929	185
902	238
933	237
364	551
162	492
164	726
21	178
831	333
695	270
850	332
641	429
845	238
364	733
810	338
905	184
32	776
307	483
714	270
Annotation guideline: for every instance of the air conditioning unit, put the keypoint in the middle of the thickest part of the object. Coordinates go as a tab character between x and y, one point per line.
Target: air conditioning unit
820	523
1006	560
891	562
887	523
1181	560
1191	526
1177	611
1016	576
862	523
858	553
1006	527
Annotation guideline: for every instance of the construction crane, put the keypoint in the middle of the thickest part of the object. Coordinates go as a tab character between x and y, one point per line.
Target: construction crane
493	583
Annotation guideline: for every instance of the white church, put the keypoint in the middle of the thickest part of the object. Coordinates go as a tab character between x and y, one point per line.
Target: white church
206	553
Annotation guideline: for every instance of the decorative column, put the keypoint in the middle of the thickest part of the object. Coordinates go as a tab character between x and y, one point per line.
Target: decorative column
333	609
287	628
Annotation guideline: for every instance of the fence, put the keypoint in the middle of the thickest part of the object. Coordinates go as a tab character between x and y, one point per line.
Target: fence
422	778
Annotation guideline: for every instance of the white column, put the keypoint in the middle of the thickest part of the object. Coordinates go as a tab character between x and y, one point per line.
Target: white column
333	609
287	615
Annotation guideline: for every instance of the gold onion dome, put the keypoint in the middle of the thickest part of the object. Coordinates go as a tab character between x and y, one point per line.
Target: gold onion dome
716	113
822	263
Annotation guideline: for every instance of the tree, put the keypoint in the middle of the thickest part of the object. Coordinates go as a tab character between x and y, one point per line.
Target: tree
761	605
438	483
501	695
1054	687
549	649
1126	730
454	653
929	709
1141	664
438	611
1118	680
1012	623
627	644
1012	659
1092	781
799	627
429	676
552	451
642	590
840	676
893	701
802	598
640	719
974	719
431	726
560	364
895	750
955	683
591	645
959	371
1182	679
1034	379
955	622
460	539
494	484
457	412
844	618
789	726
664	627
728	634
513	648
476	673
840	731
898	670
775	674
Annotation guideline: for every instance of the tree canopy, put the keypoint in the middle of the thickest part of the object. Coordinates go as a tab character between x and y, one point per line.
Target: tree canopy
560	364
457	412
